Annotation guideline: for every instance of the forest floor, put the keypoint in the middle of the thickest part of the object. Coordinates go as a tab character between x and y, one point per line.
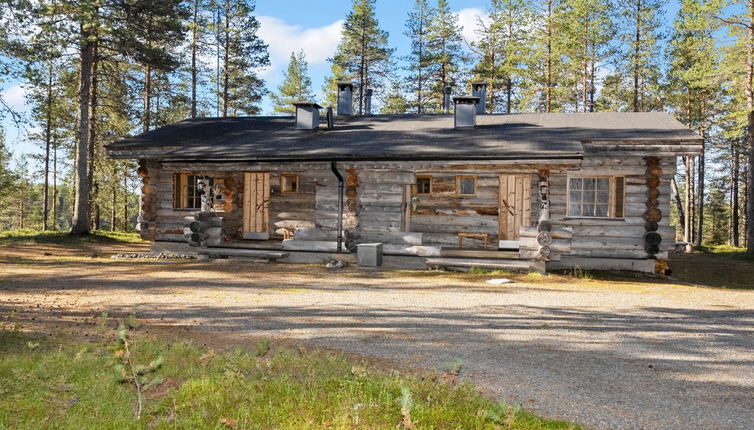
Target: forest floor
607	350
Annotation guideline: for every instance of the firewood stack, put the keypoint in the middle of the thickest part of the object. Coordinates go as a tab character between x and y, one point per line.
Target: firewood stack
148	214
203	229
652	215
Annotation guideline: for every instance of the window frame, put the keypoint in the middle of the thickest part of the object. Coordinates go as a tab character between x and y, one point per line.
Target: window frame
611	199
416	187
460	178
180	187
283	176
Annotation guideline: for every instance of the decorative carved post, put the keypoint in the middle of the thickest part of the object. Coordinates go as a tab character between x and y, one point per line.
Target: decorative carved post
544	227
652	215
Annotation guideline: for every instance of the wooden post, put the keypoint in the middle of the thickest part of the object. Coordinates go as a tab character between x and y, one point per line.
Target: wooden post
544	236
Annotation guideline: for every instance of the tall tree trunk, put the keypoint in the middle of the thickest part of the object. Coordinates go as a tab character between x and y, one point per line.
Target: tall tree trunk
94	184
678	203
692	193
592	78
735	221
194	49
637	43
508	94
55	186
125	203
548	77
147	98
81	202
48	143
700	220
226	63
112	207
750	106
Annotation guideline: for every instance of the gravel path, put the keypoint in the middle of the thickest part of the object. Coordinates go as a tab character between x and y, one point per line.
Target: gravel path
627	356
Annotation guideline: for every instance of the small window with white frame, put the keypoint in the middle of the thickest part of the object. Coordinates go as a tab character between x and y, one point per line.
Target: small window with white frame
596	196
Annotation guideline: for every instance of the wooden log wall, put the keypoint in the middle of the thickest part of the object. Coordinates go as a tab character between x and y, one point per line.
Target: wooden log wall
616	238
444	213
380	202
295	210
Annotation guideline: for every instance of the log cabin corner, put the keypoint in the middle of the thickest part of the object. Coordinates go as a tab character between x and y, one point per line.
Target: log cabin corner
462	189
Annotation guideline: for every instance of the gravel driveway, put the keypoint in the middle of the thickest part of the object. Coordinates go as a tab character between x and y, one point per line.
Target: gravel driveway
628	356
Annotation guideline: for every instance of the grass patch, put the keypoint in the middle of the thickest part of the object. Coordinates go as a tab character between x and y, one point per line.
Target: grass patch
726	251
57	383
64	238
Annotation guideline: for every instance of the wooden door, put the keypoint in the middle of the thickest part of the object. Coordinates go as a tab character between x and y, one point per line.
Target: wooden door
256	203
515	205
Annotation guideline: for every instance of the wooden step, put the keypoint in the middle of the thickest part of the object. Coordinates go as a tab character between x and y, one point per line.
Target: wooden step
252	253
477	253
513	265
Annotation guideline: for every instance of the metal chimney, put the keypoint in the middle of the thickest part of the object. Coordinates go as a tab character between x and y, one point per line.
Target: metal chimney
345	98
307	115
446	98
479	89
368	101
465	111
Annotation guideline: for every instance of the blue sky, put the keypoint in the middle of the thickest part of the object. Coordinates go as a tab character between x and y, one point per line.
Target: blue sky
314	26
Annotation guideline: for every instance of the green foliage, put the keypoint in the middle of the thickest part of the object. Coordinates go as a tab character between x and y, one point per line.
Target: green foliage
395	102
296	85
419	60
242	52
75	386
447	57
637	75
263	347
363	54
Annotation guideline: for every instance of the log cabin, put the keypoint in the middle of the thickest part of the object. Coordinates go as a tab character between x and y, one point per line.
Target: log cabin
538	191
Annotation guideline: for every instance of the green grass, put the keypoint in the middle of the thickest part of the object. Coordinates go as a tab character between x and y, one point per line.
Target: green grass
57	383
725	251
59	237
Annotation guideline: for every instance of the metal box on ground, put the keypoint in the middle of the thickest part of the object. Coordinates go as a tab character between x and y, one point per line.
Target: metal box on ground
369	254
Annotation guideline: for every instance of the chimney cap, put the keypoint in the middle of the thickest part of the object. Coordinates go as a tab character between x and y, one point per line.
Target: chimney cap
447	90
479	83
466	100
307	104
369	91
345	85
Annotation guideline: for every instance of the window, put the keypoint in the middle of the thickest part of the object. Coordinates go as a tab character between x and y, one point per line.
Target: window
188	190
596	196
289	183
466	185
423	185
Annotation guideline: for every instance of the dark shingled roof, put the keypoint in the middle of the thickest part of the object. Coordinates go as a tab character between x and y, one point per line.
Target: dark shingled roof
384	137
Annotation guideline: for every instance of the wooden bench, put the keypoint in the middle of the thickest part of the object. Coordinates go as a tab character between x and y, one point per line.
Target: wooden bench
481	236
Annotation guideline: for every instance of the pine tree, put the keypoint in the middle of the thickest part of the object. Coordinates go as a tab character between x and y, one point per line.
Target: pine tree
330	87
694	81
739	67
640	35
418	61
502	50
395	102
446	54
549	87
241	52
363	53
296	85
589	30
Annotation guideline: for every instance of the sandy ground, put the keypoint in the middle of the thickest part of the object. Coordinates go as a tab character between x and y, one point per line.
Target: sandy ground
624	356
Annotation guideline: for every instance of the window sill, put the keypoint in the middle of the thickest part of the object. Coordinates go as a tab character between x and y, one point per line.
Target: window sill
594	218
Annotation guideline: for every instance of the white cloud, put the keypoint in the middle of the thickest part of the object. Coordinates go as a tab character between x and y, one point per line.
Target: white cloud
15	97
469	19
318	43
